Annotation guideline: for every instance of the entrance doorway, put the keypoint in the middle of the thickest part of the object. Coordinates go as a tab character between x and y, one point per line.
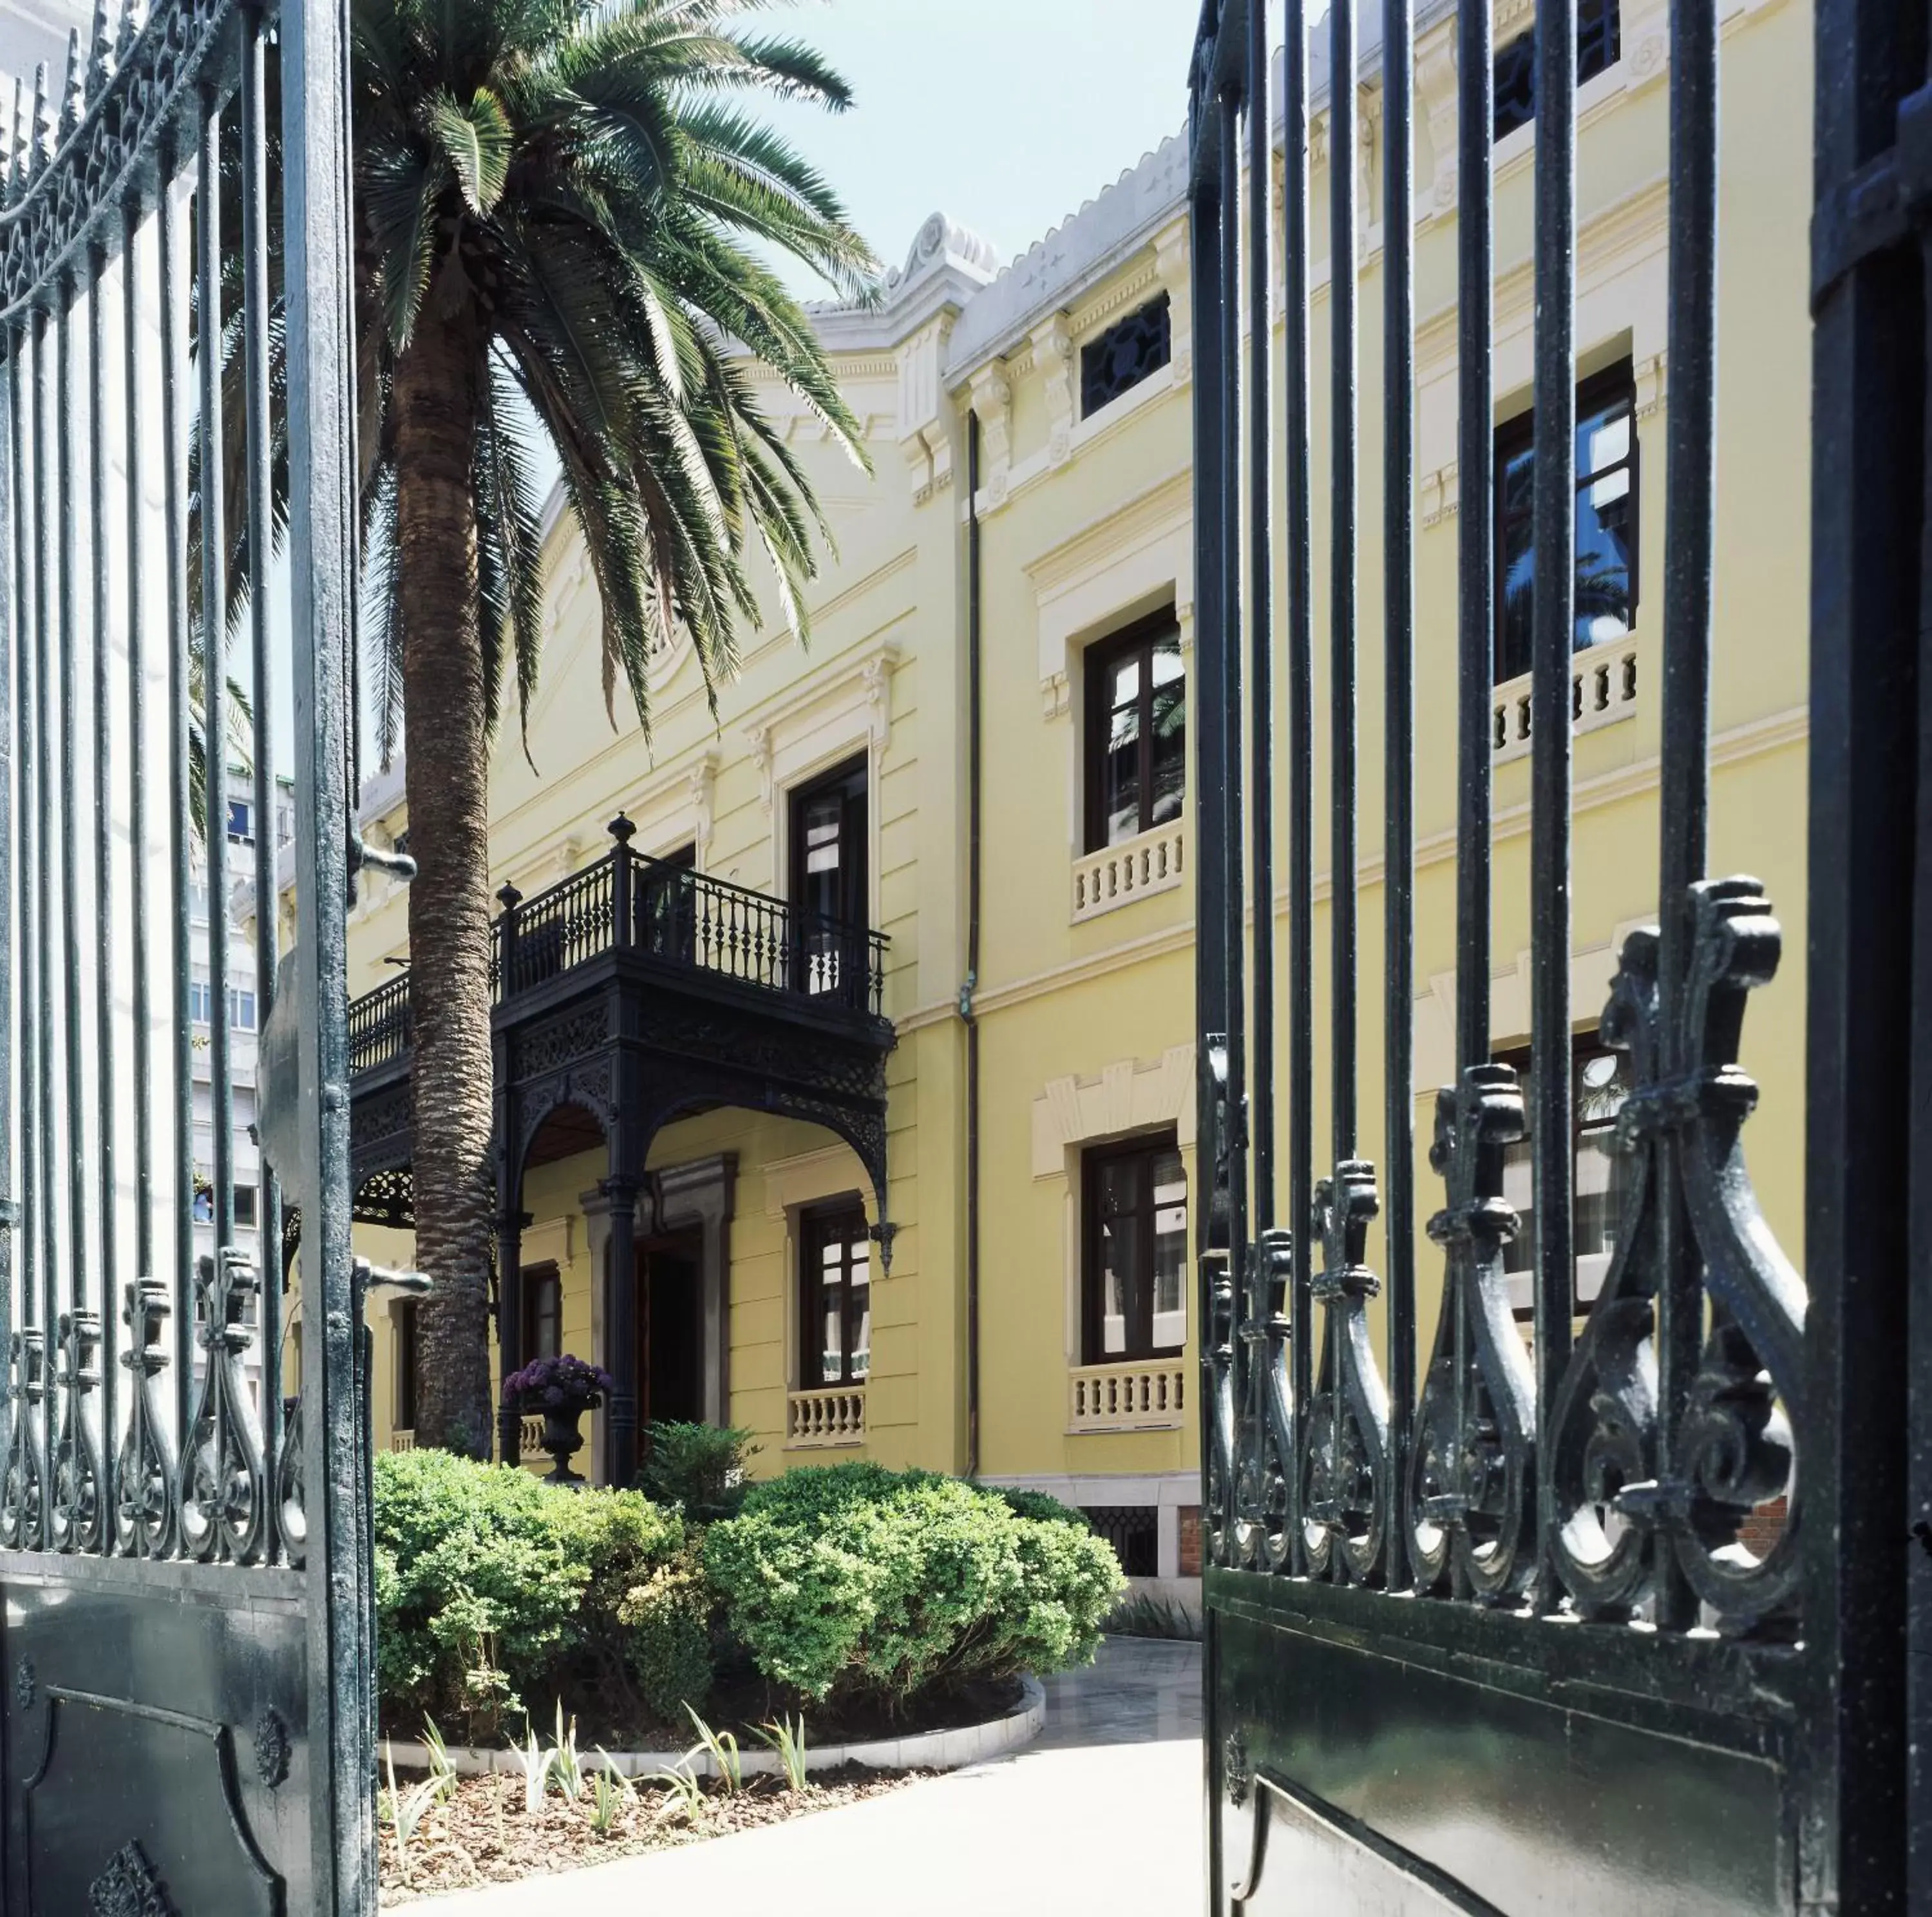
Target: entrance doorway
671	1325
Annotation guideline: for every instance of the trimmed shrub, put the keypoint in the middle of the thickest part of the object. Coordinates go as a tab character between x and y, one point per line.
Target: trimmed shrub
667	1620
863	1580
490	1584
699	1468
1038	1505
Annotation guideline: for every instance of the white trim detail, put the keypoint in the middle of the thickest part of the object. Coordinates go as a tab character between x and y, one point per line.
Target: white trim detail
1150	1394
1127	1096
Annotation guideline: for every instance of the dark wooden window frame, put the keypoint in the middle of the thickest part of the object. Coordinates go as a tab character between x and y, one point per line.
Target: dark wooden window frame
1586	1043
536	1280
1141	1347
404	1322
1599	47
815	1227
1517	434
1097	665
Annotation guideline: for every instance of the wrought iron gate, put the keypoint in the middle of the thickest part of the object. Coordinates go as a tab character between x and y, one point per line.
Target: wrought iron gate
186	1714
1484	1630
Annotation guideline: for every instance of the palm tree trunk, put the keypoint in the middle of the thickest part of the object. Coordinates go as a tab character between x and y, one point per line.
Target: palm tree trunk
446	773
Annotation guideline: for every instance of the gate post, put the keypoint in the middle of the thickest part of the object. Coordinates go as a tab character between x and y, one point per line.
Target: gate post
322	479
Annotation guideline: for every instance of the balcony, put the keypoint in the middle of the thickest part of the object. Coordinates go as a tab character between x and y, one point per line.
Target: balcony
716	937
635	991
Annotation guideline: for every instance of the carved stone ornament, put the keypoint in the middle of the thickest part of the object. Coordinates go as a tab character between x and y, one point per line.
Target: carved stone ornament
129	1888
272	1747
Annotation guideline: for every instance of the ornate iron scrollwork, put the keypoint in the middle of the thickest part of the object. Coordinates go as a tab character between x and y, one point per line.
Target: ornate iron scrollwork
1472	1497
1679	1133
80	1508
224	1492
1345	1462
129	1887
1263	1538
144	1515
23	1500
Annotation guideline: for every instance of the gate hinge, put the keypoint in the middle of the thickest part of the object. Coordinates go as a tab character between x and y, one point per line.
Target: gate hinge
1875	208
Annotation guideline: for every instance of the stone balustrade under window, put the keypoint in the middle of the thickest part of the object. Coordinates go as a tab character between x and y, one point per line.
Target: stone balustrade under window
824	1418
1604	687
1149	1396
1117	875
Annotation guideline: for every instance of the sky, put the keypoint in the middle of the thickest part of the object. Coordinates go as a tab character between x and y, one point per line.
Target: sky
1005	114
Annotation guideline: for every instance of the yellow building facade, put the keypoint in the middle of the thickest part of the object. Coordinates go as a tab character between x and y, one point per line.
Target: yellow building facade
1035	1322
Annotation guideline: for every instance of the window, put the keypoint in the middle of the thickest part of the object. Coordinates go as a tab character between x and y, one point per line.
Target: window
200	999
1136	731
828	882
1129	351
1133	1531
241	822
1134	1262
406	1365
543	1312
835	1295
668	905
1599	46
244	1206
1600	1082
203	1207
1606	502
241	1008
285	822
197	900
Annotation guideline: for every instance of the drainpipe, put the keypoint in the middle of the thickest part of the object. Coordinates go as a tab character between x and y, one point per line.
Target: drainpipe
970	982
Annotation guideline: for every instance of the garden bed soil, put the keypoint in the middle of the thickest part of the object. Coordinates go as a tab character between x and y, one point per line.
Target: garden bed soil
739	1705
480	1834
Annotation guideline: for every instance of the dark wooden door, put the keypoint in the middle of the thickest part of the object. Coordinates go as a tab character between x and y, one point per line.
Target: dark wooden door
671	1324
828	891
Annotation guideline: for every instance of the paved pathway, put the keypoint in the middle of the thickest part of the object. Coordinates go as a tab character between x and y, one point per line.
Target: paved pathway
1100	1813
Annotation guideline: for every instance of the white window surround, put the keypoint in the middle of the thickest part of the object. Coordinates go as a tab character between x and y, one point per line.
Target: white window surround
677	809
792	1186
1129	1095
1591	969
846	710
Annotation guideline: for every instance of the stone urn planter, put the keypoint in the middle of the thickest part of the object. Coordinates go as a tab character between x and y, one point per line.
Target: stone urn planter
560	1390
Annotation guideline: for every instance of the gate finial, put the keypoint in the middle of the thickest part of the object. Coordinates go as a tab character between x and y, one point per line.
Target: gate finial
43	124
75	102
101	60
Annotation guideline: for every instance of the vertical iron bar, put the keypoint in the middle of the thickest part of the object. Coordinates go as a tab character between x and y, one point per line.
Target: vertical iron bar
23	383
1399	750
1689	507
132	254
1261	727
1475	522
180	828
1475	580
322	568
1343	130
1864	1435
255	298
1300	748
107	1181
75	1099
1228	638
215	666
1553	615
11	629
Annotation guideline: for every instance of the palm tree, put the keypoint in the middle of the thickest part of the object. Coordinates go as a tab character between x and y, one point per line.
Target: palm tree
560	212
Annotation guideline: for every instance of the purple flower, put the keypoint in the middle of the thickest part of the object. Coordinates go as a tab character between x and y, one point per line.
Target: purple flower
563	1383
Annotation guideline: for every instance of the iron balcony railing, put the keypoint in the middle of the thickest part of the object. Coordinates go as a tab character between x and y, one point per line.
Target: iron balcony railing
628	901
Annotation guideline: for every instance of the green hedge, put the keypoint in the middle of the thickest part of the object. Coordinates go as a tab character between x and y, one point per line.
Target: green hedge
493	1589
862	1581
